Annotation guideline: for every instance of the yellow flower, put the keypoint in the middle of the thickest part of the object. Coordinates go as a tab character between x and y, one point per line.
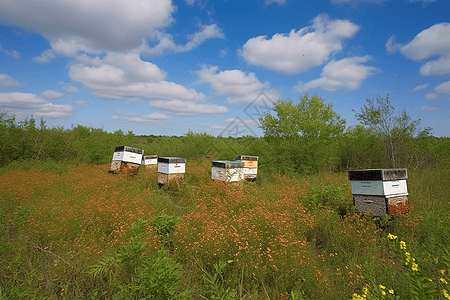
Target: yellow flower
357	297
414	267
383	292
446	295
402	245
391	291
444	281
391	236
382	286
443	272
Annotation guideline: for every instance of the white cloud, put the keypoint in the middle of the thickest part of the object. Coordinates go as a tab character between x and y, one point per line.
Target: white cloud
81	103
50	94
231	82
391	46
166	41
6	80
127	76
356	2
12	52
434	41
299	50
152	119
31	104
71	89
279	2
117	25
188	108
420	87
223	52
425	2
430	96
430	108
347	73
443	88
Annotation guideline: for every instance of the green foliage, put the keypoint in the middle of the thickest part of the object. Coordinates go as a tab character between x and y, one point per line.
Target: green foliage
303	137
215	282
22	213
165	226
330	195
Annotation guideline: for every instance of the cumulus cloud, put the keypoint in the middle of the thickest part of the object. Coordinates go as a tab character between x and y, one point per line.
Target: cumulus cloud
188	108
117	25
231	82
50	94
151	119
71	89
434	41
391	46
6	80
299	50
127	76
420	87
31	104
347	73
427	108
430	96
81	103
443	88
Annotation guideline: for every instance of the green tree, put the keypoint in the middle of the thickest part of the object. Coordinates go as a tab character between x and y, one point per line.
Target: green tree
303	137
395	131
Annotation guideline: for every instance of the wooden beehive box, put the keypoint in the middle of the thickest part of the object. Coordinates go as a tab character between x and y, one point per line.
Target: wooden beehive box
380	191
171	170
228	171
250	166
126	159
150	161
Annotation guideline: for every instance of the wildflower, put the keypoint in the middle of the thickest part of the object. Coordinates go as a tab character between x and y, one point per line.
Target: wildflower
414	267
442	272
444	281
391	291
446	295
382	286
391	236
383	292
402	245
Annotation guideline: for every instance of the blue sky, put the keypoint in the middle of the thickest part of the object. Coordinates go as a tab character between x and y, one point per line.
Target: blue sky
163	67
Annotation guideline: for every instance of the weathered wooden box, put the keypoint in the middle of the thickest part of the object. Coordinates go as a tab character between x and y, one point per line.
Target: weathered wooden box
380	205
380	191
150	161
228	171
118	166
171	170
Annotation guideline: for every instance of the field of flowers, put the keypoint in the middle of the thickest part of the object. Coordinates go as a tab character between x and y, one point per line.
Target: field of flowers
75	231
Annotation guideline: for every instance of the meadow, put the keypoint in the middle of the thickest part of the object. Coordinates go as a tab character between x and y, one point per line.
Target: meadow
71	230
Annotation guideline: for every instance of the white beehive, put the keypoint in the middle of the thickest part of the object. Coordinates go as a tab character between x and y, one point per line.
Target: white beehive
126	159
228	171
380	191
171	170
150	161
250	170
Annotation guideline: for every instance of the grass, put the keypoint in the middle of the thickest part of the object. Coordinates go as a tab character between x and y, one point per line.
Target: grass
281	237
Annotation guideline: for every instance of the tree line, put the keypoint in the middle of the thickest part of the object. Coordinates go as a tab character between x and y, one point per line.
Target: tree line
302	138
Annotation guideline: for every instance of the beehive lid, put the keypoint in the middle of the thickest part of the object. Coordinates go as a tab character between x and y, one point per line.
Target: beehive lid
150	157
246	157
377	174
128	149
227	164
171	160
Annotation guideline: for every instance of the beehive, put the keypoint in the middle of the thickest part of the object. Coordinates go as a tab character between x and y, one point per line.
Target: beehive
250	169
126	159
171	170
228	171
150	161
380	191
